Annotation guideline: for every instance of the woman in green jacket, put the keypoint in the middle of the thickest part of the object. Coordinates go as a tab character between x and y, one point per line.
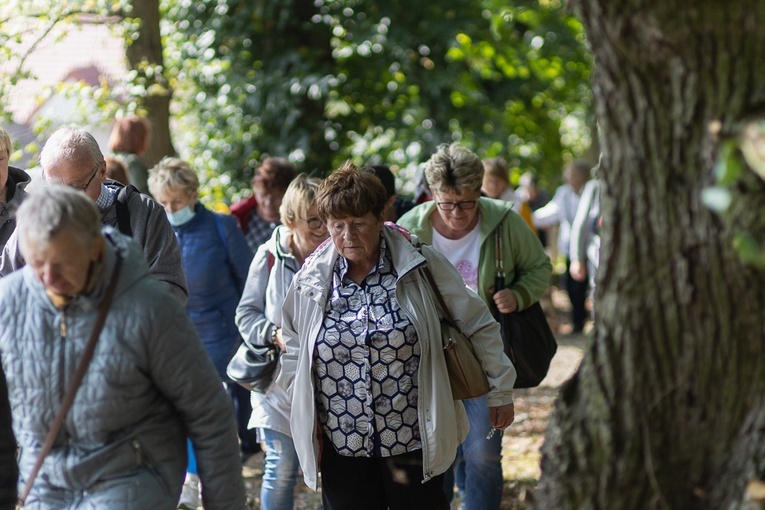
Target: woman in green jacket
461	224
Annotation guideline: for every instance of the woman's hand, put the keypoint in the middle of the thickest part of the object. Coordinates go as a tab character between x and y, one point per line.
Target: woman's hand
505	301
277	339
578	271
502	416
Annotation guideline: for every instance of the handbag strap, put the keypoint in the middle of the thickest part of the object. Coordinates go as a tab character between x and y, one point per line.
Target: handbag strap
499	255
439	297
79	375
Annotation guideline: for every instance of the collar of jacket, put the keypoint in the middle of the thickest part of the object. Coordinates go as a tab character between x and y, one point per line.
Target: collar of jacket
133	269
241	211
17	180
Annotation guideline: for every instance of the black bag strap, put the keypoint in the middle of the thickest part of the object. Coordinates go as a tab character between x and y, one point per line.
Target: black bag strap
123	211
74	385
499	255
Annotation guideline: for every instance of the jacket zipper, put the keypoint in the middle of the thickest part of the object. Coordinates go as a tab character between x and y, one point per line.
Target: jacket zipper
62	387
62	360
422	411
143	458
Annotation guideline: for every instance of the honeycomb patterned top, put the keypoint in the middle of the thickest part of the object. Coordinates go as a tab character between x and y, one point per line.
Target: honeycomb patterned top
366	363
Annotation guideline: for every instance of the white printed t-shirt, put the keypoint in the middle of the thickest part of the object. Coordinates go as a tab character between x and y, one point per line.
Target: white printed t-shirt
463	253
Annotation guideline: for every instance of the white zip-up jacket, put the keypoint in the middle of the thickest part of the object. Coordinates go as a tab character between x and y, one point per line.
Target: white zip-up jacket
258	315
443	421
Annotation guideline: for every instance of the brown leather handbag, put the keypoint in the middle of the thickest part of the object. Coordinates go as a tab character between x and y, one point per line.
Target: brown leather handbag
466	375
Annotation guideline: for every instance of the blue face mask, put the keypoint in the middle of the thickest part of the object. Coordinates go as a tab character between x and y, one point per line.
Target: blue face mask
180	216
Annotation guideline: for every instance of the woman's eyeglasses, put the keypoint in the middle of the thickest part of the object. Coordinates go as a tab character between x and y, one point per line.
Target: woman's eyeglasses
450	206
314	223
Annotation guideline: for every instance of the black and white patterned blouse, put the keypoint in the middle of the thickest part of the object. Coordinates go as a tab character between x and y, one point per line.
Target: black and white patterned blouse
366	362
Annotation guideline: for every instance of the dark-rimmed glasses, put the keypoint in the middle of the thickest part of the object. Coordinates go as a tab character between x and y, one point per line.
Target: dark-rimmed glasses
465	205
314	223
83	188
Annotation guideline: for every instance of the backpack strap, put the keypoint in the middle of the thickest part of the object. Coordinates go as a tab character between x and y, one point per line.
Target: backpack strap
123	211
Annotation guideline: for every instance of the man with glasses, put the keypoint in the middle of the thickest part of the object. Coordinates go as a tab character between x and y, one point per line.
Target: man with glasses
71	157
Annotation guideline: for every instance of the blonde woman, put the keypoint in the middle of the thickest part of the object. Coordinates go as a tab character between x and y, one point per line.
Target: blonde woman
259	317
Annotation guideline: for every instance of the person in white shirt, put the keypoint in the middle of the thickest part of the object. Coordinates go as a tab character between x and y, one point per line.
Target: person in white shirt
561	210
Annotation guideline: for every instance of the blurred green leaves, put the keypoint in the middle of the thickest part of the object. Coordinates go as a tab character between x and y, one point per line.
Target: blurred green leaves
324	81
738	158
321	81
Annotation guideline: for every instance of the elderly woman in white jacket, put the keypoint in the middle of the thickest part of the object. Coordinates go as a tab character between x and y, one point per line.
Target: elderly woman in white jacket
259	318
364	363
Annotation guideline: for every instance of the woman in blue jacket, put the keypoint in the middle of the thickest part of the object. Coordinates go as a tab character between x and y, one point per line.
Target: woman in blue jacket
216	259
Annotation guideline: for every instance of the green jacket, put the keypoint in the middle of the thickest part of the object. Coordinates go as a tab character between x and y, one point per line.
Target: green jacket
527	266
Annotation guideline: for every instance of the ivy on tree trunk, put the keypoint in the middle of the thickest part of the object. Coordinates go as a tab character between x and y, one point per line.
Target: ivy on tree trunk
668	407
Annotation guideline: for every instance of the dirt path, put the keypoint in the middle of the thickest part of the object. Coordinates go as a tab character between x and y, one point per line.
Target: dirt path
521	442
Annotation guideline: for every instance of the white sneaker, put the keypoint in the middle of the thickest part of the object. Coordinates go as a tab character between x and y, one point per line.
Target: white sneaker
190	493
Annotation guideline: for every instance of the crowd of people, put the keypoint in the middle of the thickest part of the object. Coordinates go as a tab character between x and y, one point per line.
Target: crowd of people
123	298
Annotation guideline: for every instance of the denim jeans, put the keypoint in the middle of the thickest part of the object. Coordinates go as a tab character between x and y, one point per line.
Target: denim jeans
280	475
192	466
478	469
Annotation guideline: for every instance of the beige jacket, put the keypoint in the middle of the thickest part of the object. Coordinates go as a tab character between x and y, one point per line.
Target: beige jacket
443	422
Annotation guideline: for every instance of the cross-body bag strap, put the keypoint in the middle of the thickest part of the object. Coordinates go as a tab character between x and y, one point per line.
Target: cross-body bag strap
499	256
66	404
445	309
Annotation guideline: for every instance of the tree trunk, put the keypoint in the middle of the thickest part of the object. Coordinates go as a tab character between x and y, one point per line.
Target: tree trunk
145	54
667	409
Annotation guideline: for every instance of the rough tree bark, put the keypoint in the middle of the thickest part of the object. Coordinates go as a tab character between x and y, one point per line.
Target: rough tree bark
667	409
146	50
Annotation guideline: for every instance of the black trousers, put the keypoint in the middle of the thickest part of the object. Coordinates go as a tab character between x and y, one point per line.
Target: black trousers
378	483
243	410
577	294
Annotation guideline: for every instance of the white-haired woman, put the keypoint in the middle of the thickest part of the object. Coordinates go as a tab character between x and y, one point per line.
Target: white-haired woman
215	259
149	384
259	317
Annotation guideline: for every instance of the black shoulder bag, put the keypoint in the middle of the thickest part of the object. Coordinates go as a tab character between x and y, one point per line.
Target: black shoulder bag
529	341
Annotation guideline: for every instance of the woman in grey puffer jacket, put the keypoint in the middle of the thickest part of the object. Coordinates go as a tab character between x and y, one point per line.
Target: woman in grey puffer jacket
149	385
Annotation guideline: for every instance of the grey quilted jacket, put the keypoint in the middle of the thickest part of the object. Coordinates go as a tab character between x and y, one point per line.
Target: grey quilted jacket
150	384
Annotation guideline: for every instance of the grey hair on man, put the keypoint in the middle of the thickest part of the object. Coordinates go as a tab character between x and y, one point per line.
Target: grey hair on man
51	209
453	168
71	143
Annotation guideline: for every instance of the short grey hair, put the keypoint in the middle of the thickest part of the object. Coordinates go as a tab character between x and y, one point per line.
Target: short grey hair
71	143
172	174
51	209
454	169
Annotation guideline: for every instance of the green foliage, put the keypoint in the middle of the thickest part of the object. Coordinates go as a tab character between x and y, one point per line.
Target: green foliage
324	81
29	24
739	158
